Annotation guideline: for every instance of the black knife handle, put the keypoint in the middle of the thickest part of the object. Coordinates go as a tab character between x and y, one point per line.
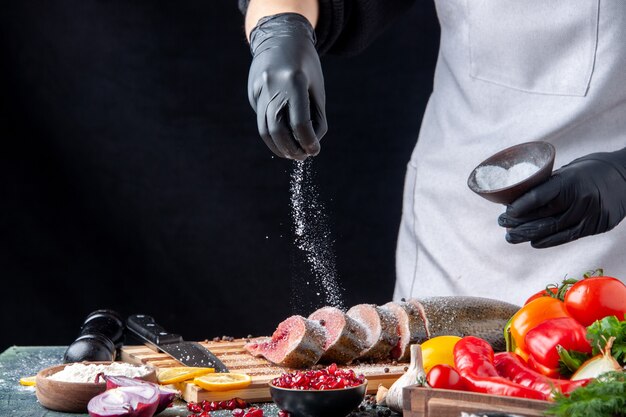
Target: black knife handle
147	329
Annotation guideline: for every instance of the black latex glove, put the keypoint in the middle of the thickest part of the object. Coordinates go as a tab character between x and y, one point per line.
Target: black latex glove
286	86
583	198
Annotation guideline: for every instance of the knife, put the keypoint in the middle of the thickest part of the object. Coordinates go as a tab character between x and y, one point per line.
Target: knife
188	353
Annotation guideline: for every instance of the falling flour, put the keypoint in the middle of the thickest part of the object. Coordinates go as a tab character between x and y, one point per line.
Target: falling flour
312	233
493	177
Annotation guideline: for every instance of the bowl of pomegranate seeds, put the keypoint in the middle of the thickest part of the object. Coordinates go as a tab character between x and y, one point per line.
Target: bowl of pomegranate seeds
328	392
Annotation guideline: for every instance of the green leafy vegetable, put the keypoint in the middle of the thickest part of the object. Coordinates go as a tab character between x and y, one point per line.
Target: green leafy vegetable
604	397
570	360
602	330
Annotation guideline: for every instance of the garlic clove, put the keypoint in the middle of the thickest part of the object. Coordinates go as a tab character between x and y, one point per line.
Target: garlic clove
381	395
414	375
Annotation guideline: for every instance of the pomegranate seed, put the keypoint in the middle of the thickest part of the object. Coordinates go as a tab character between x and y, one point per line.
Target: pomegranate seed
204	414
328	378
339	383
194	408
238	412
332	369
283	413
254	412
206	406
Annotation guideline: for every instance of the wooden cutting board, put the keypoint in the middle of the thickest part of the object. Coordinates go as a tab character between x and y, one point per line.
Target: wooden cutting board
428	402
262	371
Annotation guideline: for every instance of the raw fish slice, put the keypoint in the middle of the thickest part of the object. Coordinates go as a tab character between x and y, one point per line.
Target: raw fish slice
296	343
345	337
381	330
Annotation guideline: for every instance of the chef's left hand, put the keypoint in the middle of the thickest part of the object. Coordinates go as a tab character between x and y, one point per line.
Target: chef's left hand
585	197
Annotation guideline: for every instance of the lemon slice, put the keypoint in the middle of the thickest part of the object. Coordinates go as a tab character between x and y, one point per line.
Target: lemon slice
180	373
182	385
28	381
223	381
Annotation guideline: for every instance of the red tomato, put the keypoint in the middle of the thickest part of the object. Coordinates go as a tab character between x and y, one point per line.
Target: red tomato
445	377
542	293
594	298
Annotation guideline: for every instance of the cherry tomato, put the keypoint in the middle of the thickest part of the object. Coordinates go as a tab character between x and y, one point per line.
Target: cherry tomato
542	293
445	377
594	298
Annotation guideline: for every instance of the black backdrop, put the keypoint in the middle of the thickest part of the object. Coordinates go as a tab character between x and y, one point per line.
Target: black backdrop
132	176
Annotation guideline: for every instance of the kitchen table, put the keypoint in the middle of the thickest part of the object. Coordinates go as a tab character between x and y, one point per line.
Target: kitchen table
19	401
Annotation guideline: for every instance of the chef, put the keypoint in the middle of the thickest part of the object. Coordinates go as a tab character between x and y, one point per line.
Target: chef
508	72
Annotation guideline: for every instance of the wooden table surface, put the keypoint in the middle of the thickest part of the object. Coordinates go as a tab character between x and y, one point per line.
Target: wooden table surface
19	401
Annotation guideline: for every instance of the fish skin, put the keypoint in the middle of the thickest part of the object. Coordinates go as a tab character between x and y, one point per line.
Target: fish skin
464	316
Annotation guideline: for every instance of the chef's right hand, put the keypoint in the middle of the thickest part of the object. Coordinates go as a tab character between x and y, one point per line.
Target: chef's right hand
286	86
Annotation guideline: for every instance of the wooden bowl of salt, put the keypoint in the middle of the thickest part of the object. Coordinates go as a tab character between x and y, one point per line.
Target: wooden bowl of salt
65	387
508	174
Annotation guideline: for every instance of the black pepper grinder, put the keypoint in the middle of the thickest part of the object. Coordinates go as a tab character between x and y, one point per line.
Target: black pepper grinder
100	336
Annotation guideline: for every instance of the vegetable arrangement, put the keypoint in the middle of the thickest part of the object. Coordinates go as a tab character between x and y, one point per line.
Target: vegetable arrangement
567	344
563	331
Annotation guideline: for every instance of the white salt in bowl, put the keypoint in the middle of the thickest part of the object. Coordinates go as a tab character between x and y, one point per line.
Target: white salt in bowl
540	154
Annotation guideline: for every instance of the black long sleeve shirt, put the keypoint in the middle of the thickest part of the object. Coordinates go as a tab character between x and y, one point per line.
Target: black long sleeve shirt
348	26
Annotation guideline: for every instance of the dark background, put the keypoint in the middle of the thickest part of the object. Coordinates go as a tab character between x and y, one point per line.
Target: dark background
133	178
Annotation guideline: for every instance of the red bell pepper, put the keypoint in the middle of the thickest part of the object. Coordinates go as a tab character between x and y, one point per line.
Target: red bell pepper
473	359
543	339
511	366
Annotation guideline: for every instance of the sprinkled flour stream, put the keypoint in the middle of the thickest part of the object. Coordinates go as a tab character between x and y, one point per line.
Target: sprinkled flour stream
312	233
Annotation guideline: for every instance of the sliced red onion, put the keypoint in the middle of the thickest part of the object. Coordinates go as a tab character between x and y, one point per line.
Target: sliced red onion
136	401
166	396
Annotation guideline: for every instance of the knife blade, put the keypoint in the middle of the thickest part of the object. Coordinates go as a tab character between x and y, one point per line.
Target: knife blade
188	353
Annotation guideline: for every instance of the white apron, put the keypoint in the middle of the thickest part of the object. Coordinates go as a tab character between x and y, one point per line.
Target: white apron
510	71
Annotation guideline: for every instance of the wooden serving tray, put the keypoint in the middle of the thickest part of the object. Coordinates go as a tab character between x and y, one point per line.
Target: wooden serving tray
429	402
237	359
